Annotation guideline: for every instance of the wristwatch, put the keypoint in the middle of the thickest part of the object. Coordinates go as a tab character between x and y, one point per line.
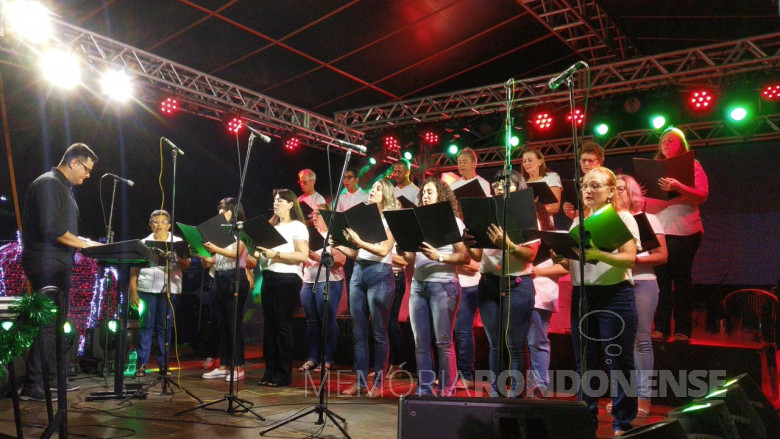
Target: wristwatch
440	258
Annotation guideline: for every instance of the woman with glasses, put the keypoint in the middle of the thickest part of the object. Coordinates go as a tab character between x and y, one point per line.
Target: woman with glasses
223	269
313	302
534	169
683	228
371	292
282	282
645	290
517	305
607	313
434	297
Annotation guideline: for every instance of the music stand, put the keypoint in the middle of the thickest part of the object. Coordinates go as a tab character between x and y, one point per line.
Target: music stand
241	406
163	378
326	260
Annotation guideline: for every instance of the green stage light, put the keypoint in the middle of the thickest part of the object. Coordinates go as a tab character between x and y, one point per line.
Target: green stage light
7	325
602	129
453	149
738	114
408	155
658	121
67	327
113	325
372	161
514	141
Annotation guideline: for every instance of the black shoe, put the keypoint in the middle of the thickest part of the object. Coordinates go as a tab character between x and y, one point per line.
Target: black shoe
69	387
34	394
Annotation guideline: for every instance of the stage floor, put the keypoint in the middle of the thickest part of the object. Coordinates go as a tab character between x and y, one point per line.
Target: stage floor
154	416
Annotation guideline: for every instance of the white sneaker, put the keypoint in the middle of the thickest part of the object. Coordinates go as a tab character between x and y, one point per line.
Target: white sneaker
237	375
216	373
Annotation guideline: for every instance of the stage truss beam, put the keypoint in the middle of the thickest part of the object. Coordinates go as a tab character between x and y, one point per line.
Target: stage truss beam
702	64
208	95
699	134
584	27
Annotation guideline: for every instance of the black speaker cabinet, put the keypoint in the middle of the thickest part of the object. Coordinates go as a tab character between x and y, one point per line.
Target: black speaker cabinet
424	417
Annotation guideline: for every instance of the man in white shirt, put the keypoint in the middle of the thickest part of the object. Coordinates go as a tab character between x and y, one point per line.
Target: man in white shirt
312	198
403	185
467	168
352	195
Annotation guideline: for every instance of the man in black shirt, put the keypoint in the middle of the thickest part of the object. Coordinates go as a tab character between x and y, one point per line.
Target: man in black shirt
49	242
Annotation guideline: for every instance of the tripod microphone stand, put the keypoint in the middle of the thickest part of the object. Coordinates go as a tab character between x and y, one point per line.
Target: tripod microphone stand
235	404
326	260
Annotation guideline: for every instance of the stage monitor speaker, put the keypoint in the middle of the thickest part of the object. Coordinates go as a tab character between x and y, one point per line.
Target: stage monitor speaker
426	417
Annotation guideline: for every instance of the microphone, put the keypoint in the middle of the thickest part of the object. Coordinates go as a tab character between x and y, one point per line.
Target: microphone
118	178
358	148
560	79
265	137
175	148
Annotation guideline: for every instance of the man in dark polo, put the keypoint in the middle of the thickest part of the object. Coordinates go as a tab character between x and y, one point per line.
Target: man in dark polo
49	243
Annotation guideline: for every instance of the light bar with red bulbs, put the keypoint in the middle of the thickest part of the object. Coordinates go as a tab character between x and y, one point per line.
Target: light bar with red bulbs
543	121
169	106
579	116
234	126
771	92
701	100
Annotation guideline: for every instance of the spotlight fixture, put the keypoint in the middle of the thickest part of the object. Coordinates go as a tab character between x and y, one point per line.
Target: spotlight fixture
292	143
543	121
408	154
61	68
234	125
701	100
744	415
391	143
117	85
601	129
29	20
430	137
169	106
578	116
771	92
706	419
658	121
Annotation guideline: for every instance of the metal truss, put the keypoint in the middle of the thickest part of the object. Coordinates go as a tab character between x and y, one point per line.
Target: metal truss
699	134
204	94
703	64
584	27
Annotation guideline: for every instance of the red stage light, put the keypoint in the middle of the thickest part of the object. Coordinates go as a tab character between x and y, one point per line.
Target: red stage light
235	124
169	106
771	92
292	144
391	143
579	116
431	138
701	100
543	121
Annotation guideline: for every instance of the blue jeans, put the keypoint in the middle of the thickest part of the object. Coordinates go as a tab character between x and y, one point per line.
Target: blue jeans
394	327
434	303
646	299
152	321
371	292
314	309
517	307
464	330
611	324
539	348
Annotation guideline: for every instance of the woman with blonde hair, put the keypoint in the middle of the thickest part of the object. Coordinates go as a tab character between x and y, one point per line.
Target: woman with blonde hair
371	291
534	169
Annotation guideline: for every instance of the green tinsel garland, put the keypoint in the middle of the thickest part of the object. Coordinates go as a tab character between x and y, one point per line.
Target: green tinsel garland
32	312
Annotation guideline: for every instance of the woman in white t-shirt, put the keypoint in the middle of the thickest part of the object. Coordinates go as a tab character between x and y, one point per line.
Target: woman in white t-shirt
607	314
223	263
645	289
517	306
313	302
371	291
434	297
683	228
534	169
282	281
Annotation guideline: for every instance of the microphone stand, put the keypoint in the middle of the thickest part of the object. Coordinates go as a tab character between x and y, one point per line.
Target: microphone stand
109	239
241	406
326	260
505	289
584	236
170	258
